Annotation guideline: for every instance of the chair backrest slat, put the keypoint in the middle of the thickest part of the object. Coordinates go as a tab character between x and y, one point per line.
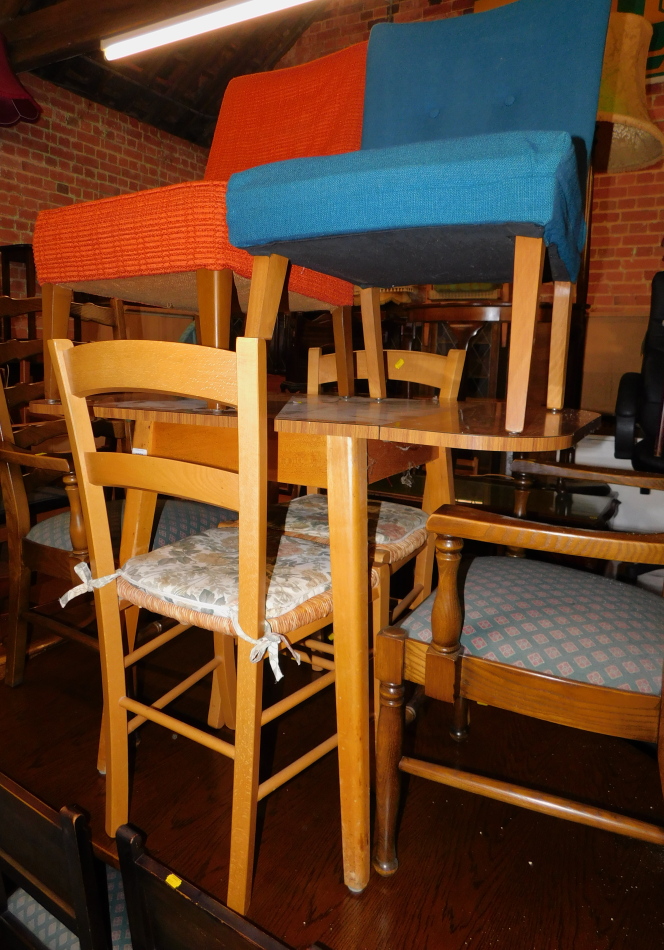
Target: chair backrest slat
134	365
411	366
212	486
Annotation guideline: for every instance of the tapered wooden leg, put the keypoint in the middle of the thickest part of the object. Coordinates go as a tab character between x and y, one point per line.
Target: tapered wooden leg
342	327
347	500
114	720
373	341
56	304
389	660
528	265
267	283
245	779
17	628
224	684
215	293
381	619
560	325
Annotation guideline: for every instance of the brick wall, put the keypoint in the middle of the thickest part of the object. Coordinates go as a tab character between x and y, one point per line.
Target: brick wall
628	209
80	151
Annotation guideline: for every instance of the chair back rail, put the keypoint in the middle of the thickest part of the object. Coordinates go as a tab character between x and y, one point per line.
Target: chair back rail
49	855
412	366
168	913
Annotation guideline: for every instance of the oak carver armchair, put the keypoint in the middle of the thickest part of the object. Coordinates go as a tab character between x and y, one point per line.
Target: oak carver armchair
476	140
540	639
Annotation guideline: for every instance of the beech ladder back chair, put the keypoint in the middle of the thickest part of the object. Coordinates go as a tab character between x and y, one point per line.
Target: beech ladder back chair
539	639
217	580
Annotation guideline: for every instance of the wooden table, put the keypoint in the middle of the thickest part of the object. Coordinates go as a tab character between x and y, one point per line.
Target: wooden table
327	441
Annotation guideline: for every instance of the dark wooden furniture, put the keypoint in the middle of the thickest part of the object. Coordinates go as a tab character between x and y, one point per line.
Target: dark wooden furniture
49	855
452	677
168	913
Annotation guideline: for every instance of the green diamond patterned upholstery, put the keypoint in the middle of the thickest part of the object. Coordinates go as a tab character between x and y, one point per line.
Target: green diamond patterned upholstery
559	621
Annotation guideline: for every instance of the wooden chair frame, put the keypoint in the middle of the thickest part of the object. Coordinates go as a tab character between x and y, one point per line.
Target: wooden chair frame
449	676
50	856
237	379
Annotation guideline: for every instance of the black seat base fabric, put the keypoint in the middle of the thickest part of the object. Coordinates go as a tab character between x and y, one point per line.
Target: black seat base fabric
460	253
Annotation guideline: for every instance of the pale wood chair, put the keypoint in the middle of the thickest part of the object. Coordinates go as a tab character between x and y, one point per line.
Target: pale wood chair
577	649
220	581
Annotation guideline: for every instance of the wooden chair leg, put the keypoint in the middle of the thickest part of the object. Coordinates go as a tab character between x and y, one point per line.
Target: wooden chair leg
224	684
245	778
342	328
56	304
460	720
381	619
16	641
389	659
373	341
528	265
560	325
424	570
267	283
215	292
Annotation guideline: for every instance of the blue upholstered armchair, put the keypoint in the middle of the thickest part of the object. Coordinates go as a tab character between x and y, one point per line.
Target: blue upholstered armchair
475	150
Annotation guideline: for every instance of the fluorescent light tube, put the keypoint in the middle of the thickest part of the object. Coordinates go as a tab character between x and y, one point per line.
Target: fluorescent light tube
191	24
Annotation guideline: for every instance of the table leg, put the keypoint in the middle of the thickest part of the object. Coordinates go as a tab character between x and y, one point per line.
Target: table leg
347	499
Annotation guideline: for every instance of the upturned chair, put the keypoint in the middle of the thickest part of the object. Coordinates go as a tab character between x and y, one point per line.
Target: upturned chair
34	460
243	582
169	246
536	638
47	857
167	912
476	140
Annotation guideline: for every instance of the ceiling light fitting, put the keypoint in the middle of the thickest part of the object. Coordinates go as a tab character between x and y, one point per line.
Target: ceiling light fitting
191	24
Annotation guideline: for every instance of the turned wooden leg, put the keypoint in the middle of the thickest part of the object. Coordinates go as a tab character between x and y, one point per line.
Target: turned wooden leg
389	660
460	720
381	619
523	484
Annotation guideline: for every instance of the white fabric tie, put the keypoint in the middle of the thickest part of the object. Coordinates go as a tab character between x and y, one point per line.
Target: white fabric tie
269	643
88	585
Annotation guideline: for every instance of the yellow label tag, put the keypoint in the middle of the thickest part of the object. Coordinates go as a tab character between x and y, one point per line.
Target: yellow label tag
173	881
398	364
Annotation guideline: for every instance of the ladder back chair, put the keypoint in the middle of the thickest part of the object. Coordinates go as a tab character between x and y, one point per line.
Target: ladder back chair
169	246
243	581
166	912
536	638
47	857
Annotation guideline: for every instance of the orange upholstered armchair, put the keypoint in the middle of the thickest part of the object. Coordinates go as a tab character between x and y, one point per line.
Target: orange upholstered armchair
169	246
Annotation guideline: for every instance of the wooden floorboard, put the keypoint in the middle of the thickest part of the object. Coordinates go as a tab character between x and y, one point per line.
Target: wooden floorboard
473	873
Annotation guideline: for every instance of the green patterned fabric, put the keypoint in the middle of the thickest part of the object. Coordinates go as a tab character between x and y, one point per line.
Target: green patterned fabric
54	935
178	519
559	621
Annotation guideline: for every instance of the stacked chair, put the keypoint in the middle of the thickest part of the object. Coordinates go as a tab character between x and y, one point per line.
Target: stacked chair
169	246
476	141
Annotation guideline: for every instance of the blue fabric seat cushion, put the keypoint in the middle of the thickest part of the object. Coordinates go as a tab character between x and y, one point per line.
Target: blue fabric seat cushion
557	620
503	178
175	519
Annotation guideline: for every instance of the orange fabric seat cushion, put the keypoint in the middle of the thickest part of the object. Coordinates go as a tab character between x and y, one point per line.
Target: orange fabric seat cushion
180	228
313	109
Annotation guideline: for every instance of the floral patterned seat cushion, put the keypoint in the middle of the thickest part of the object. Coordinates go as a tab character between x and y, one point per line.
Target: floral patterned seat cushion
559	621
178	519
397	530
202	572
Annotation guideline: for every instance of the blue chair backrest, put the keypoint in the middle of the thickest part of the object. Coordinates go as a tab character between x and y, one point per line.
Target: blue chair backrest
530	65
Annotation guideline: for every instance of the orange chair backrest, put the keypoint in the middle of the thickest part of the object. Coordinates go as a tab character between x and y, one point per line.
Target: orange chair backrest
313	109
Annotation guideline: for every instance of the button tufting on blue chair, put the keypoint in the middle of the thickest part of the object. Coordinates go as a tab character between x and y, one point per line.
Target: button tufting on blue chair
476	138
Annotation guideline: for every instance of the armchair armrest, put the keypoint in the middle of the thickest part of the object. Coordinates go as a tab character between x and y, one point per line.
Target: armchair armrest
627	404
591	473
458	521
9	452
